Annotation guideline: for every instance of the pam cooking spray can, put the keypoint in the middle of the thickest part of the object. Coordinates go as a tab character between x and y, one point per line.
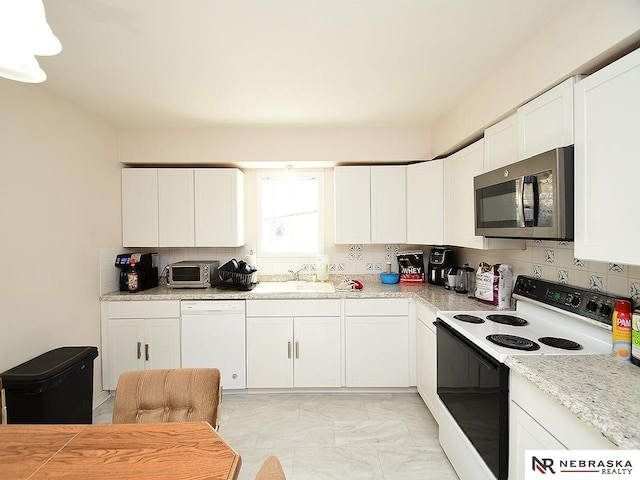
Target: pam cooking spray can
621	329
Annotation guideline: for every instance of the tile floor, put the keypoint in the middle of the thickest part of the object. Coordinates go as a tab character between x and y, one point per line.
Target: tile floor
331	436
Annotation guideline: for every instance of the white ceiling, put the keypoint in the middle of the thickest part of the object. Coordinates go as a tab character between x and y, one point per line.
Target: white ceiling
187	63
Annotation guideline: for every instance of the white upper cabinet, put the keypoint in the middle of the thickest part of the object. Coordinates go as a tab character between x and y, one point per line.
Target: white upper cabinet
501	143
546	122
370	204
175	207
182	207
425	201
389	204
219	207
606	163
459	170
459	194
352	204
139	207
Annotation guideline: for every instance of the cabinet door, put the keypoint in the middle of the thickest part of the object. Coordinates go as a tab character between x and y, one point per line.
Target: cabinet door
219	207
606	163
377	351
526	434
126	347
501	143
352	201
317	352
162	343
425	203
389	204
427	359
269	352
139	207
546	122
459	170
175	207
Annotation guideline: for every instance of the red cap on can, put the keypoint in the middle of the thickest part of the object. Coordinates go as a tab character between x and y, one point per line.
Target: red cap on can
623	306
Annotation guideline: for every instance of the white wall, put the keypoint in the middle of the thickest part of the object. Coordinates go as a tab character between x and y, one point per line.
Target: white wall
59	205
284	145
586	35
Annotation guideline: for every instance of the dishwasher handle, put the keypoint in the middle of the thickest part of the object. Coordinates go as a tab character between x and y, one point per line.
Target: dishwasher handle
212	307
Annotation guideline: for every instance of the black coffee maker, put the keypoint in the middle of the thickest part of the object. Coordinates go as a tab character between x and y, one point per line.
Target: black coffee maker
146	263
440	259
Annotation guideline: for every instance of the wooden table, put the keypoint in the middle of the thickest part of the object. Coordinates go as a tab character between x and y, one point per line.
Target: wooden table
124	451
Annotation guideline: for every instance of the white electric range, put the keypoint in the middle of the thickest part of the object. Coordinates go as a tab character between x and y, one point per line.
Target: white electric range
473	380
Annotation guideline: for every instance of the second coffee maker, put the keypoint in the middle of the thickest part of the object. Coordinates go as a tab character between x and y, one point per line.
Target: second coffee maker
440	259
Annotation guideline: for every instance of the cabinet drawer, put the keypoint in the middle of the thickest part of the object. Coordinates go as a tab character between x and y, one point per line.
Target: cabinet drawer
426	315
377	306
293	308
144	309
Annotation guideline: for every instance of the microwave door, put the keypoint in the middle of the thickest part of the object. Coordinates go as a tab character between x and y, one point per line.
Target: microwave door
502	209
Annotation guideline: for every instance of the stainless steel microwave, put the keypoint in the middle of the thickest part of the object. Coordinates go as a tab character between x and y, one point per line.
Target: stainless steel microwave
532	198
192	273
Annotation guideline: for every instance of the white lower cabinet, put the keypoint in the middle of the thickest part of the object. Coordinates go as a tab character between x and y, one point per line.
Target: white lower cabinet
293	343
137	336
378	344
538	422
427	357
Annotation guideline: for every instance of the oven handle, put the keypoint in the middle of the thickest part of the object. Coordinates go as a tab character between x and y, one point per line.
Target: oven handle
482	357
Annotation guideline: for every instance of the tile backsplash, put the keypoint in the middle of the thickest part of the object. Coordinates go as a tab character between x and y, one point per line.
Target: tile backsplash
555	261
549	260
350	259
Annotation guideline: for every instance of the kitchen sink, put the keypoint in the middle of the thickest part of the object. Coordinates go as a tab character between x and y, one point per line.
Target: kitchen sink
294	287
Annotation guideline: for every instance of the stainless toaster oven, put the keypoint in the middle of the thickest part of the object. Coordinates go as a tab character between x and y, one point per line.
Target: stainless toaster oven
192	273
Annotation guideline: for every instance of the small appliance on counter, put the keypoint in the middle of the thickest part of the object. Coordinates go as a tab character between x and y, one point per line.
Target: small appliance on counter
440	259
146	263
192	273
235	275
465	279
452	277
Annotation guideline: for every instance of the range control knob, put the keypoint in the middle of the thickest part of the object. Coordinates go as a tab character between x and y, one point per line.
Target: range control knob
605	309
592	306
574	301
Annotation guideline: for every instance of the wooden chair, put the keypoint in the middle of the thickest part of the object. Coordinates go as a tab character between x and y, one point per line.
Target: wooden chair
3	405
271	469
170	395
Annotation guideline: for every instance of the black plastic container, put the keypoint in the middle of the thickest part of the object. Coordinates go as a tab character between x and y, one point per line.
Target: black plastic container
55	387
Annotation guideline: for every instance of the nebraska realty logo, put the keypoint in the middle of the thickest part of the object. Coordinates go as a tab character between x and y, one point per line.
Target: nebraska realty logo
582	464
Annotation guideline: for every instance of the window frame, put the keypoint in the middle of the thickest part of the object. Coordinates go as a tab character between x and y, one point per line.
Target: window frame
296	174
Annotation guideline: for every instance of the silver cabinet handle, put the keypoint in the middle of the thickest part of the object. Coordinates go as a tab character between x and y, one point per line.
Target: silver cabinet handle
139	349
297	349
146	352
289	350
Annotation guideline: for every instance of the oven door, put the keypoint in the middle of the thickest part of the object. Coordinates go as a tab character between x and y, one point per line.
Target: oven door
475	390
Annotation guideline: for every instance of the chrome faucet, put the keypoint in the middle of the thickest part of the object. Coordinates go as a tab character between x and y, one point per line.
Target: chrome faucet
296	274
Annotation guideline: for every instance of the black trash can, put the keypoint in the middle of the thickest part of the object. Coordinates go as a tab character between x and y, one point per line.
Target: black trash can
55	387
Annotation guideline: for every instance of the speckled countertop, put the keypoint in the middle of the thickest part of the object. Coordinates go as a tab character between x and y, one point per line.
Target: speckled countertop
434	296
596	388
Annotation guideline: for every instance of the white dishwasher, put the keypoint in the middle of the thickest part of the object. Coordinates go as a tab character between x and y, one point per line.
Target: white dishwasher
213	335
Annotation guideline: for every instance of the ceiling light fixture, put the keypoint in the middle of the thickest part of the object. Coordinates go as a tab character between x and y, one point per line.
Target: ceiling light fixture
24	33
